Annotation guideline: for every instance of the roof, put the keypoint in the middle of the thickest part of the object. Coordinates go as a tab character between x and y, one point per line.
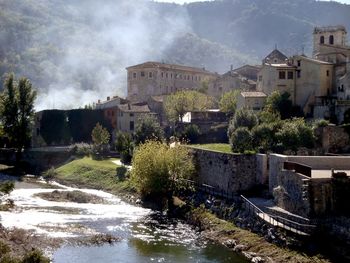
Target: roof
253	94
313	60
323	29
137	108
283	65
275	54
255	67
159	98
151	64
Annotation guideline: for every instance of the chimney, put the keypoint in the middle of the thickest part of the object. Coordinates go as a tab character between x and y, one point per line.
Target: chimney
108	98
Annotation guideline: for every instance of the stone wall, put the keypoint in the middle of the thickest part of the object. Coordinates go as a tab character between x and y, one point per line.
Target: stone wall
231	173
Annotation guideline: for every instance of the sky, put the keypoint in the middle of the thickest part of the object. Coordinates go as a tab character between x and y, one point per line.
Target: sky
190	1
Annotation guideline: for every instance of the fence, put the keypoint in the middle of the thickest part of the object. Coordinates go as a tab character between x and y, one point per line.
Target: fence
298	228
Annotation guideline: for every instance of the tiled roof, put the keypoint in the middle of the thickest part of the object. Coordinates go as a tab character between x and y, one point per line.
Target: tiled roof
275	54
253	94
151	64
314	60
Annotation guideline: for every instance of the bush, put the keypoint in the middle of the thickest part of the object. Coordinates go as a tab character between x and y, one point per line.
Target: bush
148	128
49	174
241	140
191	133
121	172
7	187
124	145
243	118
35	256
159	169
82	149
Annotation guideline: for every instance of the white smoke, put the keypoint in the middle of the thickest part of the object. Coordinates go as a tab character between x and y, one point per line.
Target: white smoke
108	36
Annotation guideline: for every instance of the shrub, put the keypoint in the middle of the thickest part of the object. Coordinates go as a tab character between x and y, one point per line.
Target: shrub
243	118
124	145
191	133
35	256
241	140
148	128
4	248
121	172
7	187
49	174
82	149
159	169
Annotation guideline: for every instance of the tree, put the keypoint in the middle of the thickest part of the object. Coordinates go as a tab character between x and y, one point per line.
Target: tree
100	137
177	104
228	102
241	140
243	118
148	128
17	111
125	146
158	170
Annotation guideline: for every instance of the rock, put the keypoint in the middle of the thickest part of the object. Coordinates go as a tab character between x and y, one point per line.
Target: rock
258	260
247	255
230	243
138	202
240	248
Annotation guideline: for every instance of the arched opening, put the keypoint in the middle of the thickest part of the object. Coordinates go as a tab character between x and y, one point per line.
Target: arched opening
322	40
331	39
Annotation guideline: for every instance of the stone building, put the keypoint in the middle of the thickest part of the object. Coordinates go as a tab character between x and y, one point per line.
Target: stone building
154	79
253	100
129	114
110	108
248	71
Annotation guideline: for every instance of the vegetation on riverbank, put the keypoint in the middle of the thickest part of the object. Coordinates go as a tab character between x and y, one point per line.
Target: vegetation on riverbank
244	241
97	174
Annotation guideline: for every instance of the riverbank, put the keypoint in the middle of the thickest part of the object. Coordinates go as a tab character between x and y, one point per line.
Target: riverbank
102	175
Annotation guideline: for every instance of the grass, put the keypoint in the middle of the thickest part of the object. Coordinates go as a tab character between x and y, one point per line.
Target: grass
90	173
221	230
218	147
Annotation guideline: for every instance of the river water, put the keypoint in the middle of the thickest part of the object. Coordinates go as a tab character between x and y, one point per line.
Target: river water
145	235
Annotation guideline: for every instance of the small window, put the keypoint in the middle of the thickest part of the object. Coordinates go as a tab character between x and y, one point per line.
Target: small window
131	125
150	75
171	75
299	63
166	75
112	113
331	39
142	73
162	75
134	75
327	73
131	114
121	114
322	40
282	74
298	74
290	75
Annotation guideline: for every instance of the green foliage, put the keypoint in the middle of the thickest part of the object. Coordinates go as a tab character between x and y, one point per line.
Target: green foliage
177	104
17	110
191	133
4	248
320	123
295	133
49	174
82	149
125	146
243	118
35	256
241	140
100	137
148	128
228	102
158	169
121	172
219	147
264	135
7	187
54	127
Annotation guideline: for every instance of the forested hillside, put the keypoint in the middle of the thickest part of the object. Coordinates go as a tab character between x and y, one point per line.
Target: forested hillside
76	51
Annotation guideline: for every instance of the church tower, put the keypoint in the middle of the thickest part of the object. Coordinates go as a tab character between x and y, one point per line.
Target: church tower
328	36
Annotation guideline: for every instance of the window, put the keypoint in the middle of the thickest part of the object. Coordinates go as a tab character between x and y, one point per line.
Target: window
260	78
134	75
150	75
327	73
322	40
131	114
142	73
162	75
112	113
282	74
121	114
331	39
166	75
290	75
299	63
131	125
171	75
298	74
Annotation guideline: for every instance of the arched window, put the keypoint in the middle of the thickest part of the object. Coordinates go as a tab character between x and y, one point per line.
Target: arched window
322	40
331	39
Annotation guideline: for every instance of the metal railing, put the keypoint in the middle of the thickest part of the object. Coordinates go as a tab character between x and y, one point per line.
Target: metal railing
298	228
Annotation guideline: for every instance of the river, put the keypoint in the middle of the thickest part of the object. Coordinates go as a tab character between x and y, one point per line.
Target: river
145	235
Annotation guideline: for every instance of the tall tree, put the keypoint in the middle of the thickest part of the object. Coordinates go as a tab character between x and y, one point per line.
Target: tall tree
176	105
228	102
100	137
17	111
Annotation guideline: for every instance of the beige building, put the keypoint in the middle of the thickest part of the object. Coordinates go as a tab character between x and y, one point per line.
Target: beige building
253	100
154	79
128	116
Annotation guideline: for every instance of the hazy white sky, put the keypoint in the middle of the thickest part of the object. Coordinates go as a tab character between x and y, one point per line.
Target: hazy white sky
190	1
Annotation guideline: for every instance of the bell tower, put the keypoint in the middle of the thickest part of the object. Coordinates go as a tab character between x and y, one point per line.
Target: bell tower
328	36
